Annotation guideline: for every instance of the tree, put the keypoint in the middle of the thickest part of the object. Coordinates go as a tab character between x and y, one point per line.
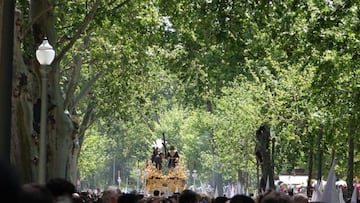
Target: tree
263	156
64	125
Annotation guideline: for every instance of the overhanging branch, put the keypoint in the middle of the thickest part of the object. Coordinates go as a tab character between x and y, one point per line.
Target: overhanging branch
85	90
81	30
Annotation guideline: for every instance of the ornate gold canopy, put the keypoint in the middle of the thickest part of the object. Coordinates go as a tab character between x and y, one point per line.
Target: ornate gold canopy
173	181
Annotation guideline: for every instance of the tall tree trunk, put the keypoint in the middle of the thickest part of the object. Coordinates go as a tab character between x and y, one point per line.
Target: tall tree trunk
26	103
350	172
6	61
310	165
25	122
263	155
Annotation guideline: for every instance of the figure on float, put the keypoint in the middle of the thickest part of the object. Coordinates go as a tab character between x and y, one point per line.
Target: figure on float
173	157
157	158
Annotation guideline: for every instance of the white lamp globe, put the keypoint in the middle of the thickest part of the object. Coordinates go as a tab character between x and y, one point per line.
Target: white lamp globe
45	53
194	175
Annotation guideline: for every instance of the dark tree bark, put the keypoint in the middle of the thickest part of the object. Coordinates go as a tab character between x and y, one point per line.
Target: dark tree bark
310	166
6	59
263	156
350	172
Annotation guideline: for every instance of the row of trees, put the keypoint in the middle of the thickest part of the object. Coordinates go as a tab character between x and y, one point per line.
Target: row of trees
208	74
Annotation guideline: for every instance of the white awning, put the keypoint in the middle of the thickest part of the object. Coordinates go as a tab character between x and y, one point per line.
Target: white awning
293	180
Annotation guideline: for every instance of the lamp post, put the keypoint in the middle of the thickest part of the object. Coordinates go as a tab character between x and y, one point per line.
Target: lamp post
45	55
126	186
138	180
119	180
187	173
146	175
194	175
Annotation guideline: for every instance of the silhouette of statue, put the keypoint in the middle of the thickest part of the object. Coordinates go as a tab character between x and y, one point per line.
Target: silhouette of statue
173	157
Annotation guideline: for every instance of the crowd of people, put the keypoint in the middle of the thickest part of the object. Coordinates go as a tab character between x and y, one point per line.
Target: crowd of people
113	195
59	190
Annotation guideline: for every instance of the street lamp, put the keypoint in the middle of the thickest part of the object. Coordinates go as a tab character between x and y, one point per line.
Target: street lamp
194	175
119	179
187	173
138	180
119	182
146	175
45	55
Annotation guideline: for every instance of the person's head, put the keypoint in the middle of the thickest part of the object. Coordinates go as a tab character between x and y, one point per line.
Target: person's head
141	198
35	193
166	200
283	187
172	148
76	198
155	199
205	198
221	199
189	196
300	198
61	189
276	197
156	150
174	198
128	198
241	199
110	194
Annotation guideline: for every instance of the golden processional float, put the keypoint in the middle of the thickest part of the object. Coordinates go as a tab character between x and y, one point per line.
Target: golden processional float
170	179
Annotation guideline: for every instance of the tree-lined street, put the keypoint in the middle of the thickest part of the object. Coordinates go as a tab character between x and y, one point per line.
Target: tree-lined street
210	75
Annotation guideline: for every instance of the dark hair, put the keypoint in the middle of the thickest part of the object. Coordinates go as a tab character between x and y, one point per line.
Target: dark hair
276	197
175	196
77	198
128	198
241	199
189	196
60	186
221	199
35	193
166	200
140	196
203	200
